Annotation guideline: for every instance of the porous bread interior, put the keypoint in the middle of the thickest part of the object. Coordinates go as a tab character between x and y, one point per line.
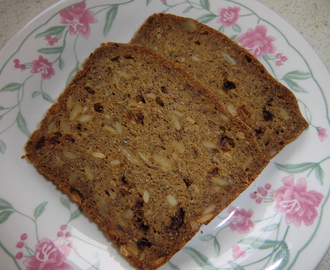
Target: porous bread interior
234	75
146	150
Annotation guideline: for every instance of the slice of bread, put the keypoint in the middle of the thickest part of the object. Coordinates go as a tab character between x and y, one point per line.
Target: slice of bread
146	150
234	75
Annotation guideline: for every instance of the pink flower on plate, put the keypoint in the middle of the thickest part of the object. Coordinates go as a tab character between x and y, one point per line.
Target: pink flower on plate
238	252
51	41
78	19
47	256
228	16
298	204
240	220
281	59
43	66
18	65
257	42
322	134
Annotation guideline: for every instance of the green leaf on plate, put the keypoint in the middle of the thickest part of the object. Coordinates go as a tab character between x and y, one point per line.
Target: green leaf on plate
52	31
205	4
4	215
236	28
39	210
297	75
109	18
308	115
207	237
260	243
4	205
294	86
187	9
319	173
60	63
65	202
3	147
206	18
52	50
30	251
10	87
148	2
21	123
36	93
270	228
173	266
209	267
282	256
75	214
95	266
72	73
296	168
236	266
222	29
47	97
216	246
198	257
233	38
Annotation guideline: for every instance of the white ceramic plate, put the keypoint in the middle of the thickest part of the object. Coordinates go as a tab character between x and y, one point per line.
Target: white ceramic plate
278	223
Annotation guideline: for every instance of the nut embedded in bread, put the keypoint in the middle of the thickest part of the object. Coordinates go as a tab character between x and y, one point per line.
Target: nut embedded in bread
146	150
234	75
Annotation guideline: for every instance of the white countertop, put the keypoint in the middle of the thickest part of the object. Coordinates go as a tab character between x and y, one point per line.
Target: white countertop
311	18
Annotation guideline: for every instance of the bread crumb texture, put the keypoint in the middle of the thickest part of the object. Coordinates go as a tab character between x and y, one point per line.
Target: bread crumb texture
147	151
234	75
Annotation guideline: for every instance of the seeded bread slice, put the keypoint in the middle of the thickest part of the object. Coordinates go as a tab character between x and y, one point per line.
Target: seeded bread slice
146	150
234	75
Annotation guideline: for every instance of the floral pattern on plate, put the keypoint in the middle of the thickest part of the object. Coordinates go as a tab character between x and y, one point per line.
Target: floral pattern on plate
273	224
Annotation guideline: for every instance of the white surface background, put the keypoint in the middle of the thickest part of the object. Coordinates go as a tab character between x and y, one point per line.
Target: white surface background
311	18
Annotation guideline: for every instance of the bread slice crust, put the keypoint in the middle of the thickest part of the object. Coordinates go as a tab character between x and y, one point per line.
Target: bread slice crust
232	73
145	149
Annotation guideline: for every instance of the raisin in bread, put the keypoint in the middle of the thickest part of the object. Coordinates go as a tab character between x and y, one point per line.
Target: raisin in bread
145	149
234	75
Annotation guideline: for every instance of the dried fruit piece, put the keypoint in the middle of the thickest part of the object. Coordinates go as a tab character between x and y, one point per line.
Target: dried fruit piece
226	143
159	102
177	220
98	107
136	117
229	86
268	116
143	243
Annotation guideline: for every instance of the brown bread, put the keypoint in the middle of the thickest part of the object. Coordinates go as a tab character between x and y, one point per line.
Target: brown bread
146	150
234	75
